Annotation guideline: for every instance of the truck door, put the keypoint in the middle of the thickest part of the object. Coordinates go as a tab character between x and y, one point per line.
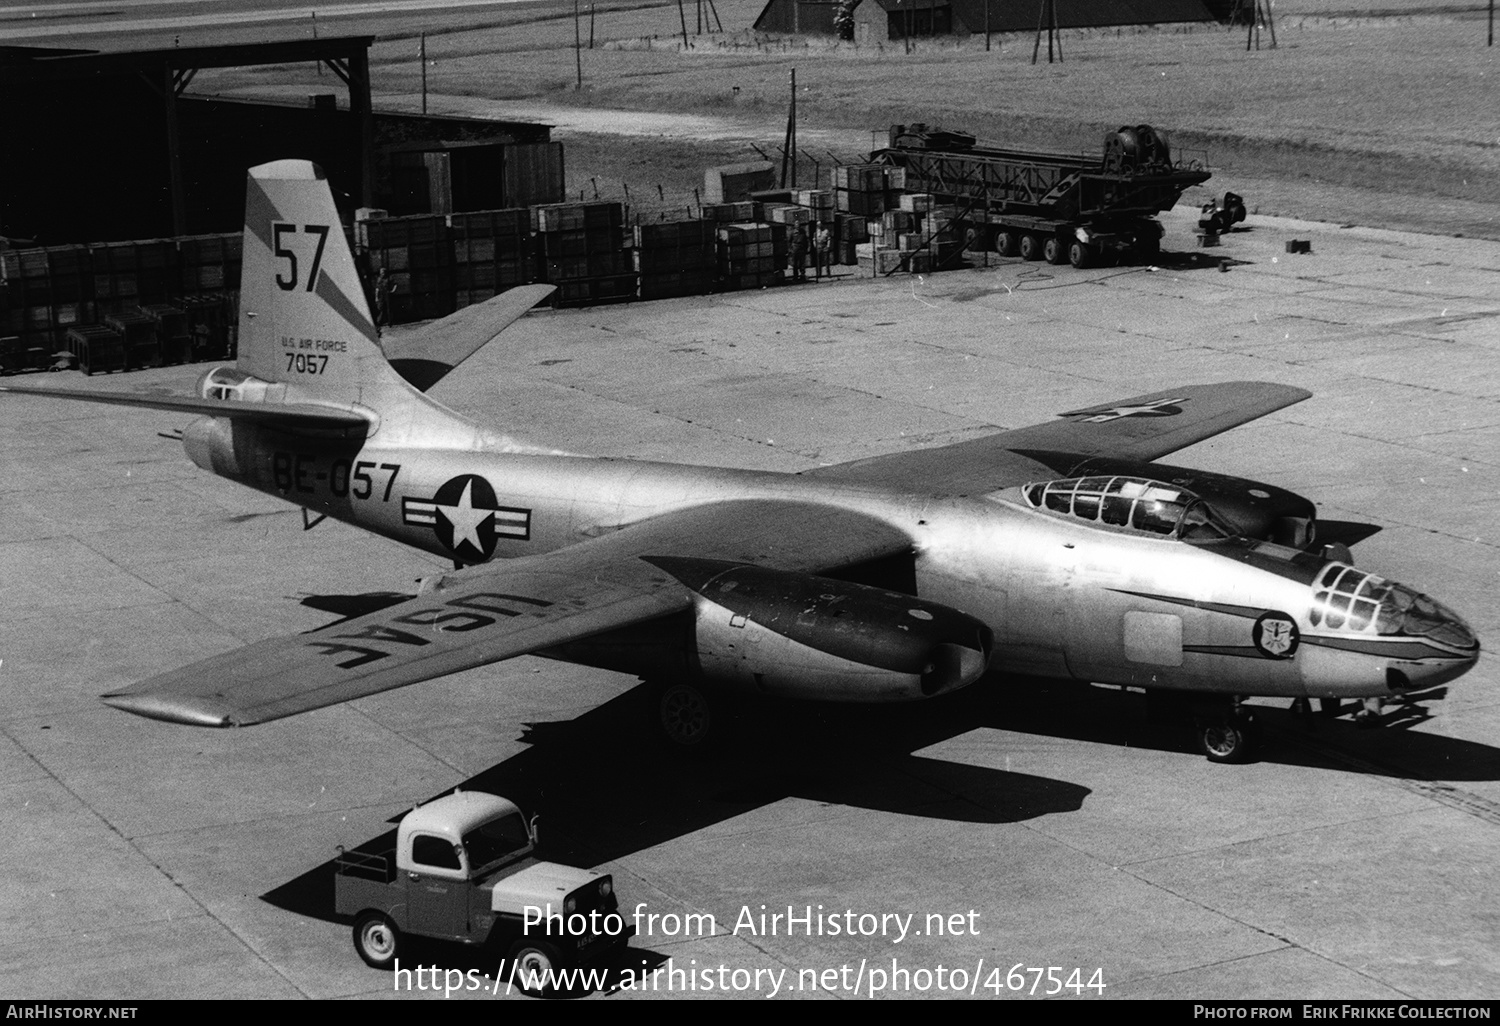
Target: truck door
437	889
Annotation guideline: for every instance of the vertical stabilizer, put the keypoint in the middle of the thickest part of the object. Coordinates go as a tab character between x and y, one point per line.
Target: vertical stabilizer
304	320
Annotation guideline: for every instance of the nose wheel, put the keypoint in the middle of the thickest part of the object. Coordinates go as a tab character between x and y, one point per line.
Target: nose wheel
1226	735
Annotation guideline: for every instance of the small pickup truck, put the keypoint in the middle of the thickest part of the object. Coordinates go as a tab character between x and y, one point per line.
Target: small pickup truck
462	870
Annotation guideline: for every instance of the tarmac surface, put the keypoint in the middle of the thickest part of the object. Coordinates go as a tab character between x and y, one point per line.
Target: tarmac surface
145	860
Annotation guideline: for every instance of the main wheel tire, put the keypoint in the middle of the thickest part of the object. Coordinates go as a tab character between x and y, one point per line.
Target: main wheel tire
1031	246
376	939
1007	243
534	965
1082	255
1225	739
1054	251
686	717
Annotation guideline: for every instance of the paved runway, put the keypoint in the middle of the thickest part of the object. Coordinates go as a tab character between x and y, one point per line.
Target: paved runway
143	860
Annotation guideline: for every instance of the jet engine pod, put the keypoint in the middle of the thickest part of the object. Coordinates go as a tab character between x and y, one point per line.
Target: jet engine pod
799	636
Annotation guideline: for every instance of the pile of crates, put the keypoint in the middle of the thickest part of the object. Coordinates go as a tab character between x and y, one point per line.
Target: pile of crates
581	249
491	253
46	292
868	190
417	255
918	236
751	255
438	263
675	258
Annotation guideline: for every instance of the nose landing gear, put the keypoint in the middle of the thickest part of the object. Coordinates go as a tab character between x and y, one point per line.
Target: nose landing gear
1222	730
1227	735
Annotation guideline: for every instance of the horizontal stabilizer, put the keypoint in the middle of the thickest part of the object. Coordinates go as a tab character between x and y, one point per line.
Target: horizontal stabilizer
425	356
292	416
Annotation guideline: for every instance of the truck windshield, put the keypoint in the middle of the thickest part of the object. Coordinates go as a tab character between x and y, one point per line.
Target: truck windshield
496	839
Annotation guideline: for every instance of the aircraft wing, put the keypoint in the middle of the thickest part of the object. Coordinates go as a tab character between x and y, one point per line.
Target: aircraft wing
1145	427
306	416
425	356
504	609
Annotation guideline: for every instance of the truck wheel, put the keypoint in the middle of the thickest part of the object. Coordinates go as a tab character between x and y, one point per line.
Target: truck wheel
533	965
1081	255
376	939
1054	251
1031	246
1007	243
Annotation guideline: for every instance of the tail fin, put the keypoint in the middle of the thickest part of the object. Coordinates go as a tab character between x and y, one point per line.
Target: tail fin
304	320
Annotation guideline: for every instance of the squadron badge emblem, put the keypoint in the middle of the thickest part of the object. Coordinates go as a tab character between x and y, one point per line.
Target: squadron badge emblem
1275	636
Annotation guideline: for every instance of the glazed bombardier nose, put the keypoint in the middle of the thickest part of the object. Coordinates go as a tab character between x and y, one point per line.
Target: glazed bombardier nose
1417	616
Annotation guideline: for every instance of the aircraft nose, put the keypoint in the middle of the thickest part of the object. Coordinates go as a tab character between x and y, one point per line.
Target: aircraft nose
1409	614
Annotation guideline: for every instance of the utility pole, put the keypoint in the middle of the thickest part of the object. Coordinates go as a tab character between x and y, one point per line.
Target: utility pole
422	51
577	46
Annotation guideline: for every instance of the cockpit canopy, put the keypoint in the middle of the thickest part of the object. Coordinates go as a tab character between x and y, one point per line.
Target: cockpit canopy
1132	502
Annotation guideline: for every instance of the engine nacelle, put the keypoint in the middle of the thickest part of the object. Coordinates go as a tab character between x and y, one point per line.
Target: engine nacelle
793	635
209	442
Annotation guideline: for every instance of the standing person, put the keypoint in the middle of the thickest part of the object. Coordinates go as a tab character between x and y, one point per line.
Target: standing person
823	250
799	253
382	298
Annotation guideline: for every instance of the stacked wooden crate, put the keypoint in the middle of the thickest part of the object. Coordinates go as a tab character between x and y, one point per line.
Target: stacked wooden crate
581	249
171	332
741	212
96	348
849	231
675	258
417	255
861	189
492	252
749	257
819	201
45	292
137	330
944	234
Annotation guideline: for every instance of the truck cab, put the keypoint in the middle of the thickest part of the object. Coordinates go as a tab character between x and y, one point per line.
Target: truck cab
462	869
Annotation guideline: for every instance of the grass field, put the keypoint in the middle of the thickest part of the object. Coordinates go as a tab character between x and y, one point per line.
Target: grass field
1379	120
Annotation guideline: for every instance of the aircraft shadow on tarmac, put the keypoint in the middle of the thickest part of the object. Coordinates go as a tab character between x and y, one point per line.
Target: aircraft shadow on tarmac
606	787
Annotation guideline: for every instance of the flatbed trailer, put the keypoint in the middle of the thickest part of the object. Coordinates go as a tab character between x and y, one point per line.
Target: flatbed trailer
1059	207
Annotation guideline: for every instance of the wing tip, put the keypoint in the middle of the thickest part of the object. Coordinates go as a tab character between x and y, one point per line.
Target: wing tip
155	707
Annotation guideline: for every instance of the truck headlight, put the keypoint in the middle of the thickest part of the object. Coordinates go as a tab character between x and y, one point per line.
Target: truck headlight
606	888
571	905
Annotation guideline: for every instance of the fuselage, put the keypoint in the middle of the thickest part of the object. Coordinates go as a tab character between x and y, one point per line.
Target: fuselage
1065	595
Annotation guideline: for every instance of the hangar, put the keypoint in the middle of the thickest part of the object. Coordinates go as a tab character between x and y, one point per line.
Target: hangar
110	146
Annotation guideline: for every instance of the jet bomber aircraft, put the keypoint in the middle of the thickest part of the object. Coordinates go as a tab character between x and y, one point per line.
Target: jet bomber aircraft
1057	550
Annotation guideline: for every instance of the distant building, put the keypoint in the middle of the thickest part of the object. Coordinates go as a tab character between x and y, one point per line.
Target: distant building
883	20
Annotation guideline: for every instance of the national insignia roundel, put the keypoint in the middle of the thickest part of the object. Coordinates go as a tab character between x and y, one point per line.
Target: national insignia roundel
467	517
